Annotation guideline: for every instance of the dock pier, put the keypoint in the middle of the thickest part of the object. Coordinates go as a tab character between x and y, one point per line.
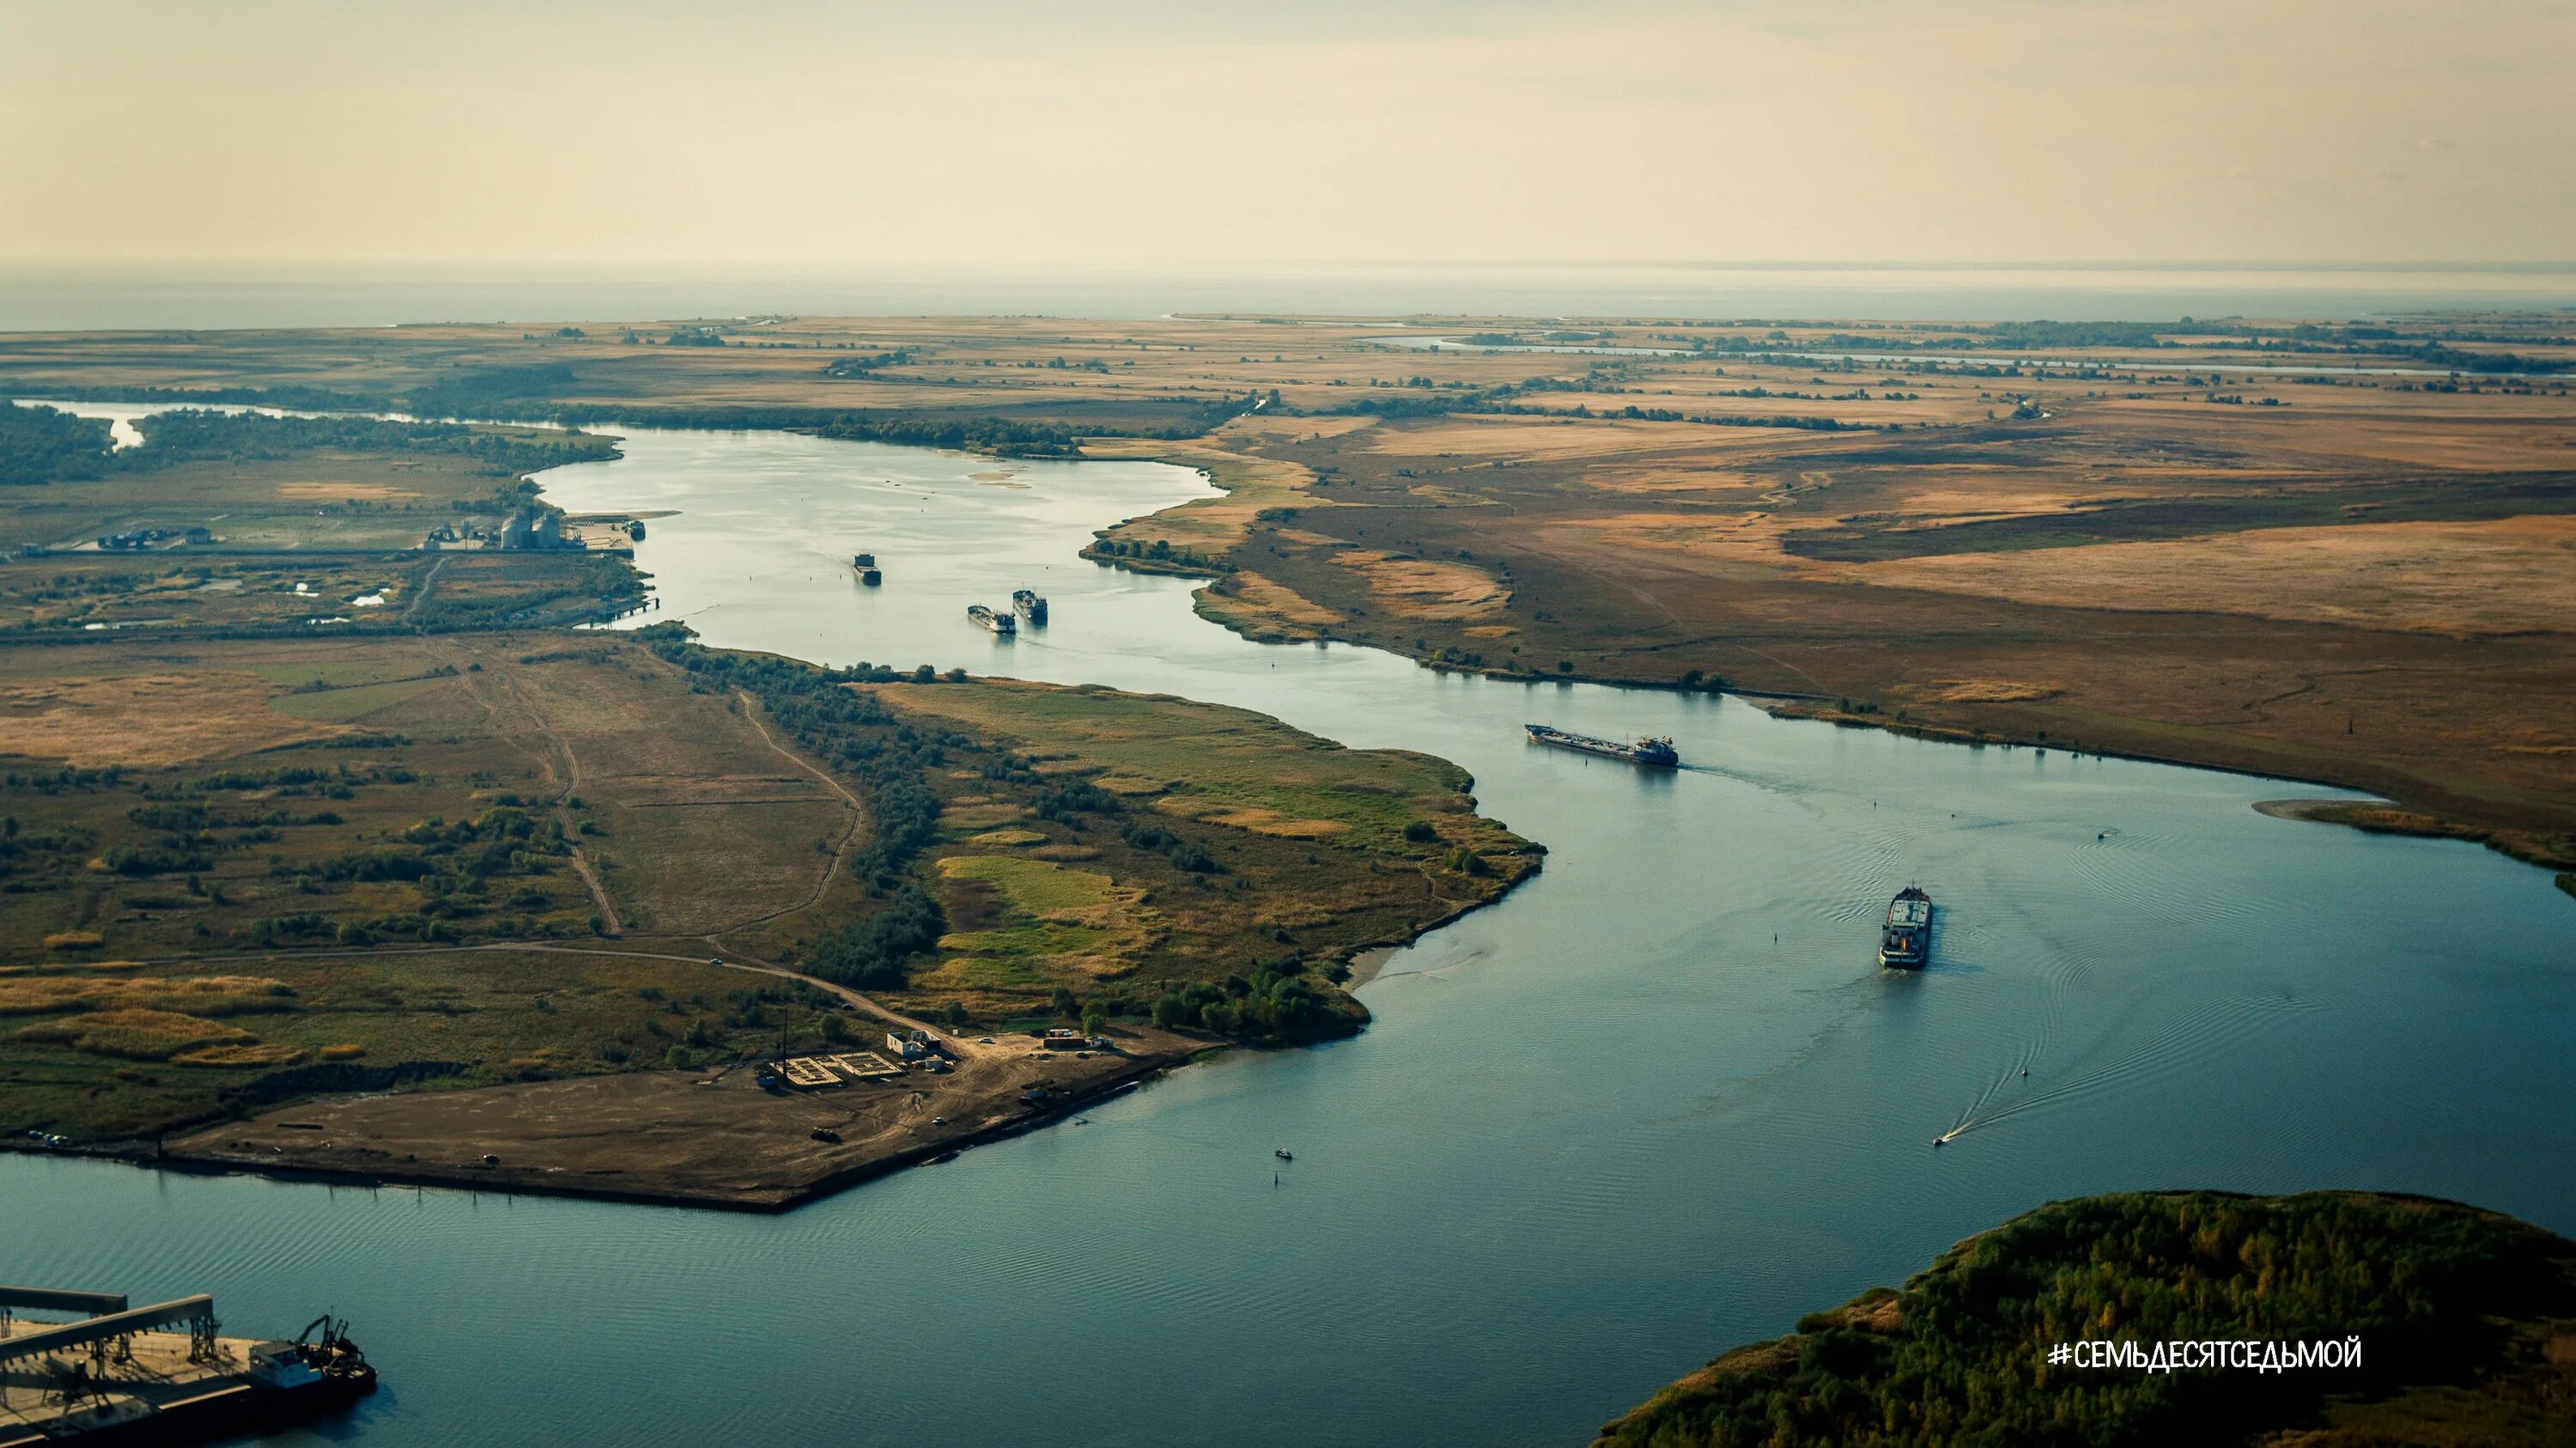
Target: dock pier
115	1374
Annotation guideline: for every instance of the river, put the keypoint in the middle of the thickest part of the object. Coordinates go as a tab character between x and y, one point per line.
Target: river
1656	1102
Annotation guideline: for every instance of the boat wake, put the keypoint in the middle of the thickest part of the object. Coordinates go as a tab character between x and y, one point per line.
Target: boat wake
1769	784
2218	1028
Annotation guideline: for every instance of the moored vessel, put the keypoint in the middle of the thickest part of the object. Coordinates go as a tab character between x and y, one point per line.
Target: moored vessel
1906	943
1027	601
163	1374
982	617
1656	753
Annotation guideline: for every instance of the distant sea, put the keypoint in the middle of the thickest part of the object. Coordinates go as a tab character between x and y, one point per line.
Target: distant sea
152	295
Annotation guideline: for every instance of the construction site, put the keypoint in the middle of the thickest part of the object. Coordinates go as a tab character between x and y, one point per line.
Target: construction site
94	1370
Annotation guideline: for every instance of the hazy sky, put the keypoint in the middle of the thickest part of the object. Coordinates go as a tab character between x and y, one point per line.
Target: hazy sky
1117	131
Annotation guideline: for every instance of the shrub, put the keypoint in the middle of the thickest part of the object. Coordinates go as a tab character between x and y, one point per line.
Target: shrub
136	1034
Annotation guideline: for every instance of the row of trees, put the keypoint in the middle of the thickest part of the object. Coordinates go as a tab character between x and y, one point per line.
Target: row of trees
42	444
192	433
45	444
866	741
1278	1002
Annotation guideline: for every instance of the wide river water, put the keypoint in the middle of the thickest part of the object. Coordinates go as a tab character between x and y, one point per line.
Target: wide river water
1657	1102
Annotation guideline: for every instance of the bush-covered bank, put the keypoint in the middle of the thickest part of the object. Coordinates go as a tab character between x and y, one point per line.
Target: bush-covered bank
2462	1317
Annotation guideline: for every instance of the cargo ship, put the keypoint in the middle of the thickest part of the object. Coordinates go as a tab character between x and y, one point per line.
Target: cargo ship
1000	623
1907	942
1027	601
1658	753
865	565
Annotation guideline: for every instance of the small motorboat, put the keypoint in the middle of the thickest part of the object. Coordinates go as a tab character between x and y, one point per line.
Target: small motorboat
1284	1154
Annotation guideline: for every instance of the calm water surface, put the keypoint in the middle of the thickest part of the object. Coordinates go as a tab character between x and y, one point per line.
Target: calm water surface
1655	1103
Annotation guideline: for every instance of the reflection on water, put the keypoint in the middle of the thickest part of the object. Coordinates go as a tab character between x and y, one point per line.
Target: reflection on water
1656	1102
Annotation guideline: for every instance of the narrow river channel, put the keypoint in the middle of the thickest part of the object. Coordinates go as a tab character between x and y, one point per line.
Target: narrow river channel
1657	1102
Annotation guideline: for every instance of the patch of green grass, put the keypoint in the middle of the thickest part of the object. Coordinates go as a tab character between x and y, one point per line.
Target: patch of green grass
340	705
1039	943
989	972
1037	887
1057	925
342	673
1209	761
1214	843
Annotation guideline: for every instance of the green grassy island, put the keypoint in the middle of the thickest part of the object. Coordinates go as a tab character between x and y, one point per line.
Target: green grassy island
2466	1321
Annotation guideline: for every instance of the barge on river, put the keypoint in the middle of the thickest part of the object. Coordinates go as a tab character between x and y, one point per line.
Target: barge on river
1906	943
865	565
160	1374
1000	623
1654	753
1027	601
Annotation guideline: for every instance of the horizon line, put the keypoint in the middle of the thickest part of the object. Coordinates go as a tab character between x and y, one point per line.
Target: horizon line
951	268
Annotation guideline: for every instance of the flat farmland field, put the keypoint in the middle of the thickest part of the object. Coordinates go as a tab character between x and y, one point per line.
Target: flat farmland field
2109	536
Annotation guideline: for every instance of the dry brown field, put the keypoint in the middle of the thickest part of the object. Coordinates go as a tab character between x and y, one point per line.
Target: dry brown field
2356	577
686	813
206	809
230	863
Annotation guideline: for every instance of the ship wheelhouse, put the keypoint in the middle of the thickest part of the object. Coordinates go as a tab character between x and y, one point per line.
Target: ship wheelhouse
1906	941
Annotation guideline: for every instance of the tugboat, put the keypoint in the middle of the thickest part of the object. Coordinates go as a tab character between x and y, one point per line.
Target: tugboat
1654	753
1026	600
1000	623
1907	941
865	565
320	1371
